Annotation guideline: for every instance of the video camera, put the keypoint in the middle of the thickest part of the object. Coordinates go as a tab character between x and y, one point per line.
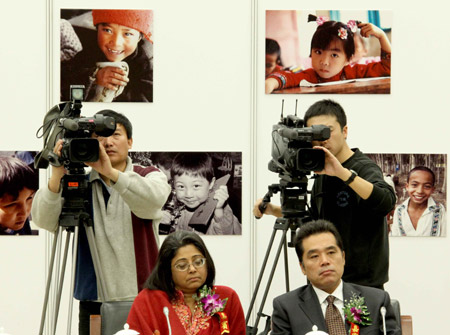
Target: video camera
63	121
292	152
293	158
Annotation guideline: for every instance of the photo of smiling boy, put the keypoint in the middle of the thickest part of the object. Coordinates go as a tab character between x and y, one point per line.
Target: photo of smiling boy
18	184
420	214
115	63
195	188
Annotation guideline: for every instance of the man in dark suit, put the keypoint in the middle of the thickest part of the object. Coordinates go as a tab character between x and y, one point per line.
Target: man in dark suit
321	254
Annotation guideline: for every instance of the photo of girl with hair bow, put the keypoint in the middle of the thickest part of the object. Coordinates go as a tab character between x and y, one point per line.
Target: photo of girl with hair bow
331	52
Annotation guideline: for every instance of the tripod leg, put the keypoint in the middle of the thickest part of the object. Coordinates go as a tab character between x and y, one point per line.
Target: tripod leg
261	273
72	280
286	265
96	260
61	280
49	279
269	281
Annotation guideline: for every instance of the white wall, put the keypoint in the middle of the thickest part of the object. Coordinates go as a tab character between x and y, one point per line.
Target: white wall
204	101
412	119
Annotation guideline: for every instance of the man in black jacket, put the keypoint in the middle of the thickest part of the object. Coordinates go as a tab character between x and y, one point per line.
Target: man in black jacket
350	192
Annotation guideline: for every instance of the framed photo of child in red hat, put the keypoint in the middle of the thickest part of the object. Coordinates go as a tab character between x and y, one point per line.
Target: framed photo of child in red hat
110	52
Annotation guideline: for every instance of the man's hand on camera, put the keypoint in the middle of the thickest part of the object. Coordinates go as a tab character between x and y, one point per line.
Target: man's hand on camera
332	166
103	165
54	183
271	209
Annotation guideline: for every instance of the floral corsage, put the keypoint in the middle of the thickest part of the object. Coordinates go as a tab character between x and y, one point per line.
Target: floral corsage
211	305
356	313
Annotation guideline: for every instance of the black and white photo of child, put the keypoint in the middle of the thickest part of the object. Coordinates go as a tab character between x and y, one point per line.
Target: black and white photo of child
206	191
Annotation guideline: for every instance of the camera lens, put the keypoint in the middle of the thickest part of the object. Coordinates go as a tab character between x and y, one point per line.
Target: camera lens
83	150
311	159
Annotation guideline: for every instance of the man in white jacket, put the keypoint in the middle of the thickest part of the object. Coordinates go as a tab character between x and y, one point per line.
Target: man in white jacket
126	208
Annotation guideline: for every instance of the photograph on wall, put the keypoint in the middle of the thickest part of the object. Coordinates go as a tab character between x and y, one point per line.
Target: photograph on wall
19	181
328	51
206	190
420	184
110	52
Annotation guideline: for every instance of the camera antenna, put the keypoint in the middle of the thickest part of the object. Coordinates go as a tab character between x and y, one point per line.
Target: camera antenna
296	101
282	107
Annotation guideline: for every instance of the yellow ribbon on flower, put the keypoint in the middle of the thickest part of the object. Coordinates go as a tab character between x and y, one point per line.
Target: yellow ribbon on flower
354	329
223	321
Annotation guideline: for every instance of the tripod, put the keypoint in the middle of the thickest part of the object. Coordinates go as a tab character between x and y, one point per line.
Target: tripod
74	214
293	204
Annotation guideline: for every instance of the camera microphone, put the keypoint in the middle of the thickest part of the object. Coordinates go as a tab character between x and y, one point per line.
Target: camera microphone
289	133
166	313
69	124
313	133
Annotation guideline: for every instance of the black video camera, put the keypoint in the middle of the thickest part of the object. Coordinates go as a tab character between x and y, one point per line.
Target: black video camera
64	122
292	152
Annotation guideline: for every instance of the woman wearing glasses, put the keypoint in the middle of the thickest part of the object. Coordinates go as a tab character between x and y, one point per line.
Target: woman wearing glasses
179	296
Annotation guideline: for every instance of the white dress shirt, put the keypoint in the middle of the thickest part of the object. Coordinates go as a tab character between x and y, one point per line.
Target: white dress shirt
338	301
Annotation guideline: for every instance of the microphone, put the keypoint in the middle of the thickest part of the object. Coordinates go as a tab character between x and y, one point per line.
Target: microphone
166	313
69	124
383	315
289	133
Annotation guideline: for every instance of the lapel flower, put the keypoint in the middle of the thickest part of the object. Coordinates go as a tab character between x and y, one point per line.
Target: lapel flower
211	305
209	301
356	313
342	33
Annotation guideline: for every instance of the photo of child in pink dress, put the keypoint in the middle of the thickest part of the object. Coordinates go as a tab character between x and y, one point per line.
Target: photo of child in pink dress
334	54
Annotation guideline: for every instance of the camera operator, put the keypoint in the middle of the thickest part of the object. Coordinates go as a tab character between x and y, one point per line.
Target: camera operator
350	192
126	203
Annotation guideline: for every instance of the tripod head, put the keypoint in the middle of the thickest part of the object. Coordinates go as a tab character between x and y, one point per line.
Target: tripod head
75	191
295	212
293	196
293	199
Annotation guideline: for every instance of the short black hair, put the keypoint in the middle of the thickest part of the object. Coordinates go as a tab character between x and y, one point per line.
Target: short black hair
163	159
272	47
313	228
120	118
161	276
421	168
329	31
326	107
193	163
15	175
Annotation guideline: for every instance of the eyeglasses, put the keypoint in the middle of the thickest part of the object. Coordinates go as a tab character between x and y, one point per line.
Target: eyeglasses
184	266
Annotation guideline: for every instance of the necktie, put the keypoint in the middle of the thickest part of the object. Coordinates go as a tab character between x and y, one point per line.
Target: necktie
333	318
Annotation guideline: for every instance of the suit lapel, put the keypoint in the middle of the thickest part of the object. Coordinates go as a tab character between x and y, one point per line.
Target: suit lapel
309	303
